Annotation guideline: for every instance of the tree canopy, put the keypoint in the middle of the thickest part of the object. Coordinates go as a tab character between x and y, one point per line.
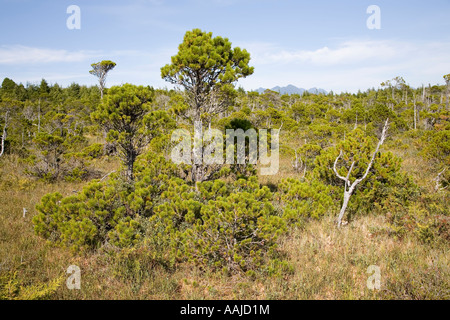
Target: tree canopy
204	64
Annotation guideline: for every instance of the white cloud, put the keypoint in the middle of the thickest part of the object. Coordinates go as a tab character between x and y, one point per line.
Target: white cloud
349	65
19	54
348	52
29	64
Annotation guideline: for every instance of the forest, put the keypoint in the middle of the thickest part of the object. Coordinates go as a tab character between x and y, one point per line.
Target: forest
87	180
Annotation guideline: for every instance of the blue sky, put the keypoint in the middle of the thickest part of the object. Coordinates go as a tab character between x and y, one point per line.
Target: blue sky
321	43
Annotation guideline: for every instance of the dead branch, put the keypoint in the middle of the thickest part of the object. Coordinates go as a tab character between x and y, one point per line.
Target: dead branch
438	181
350	187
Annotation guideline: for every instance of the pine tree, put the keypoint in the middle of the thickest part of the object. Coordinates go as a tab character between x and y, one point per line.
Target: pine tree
100	70
206	68
126	114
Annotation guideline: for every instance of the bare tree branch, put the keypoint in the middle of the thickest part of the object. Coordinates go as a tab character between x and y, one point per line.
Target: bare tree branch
438	180
351	187
335	170
106	175
380	142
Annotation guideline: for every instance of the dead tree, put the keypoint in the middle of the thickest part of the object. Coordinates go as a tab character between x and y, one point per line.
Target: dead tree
437	187
447	82
298	164
4	133
100	70
415	115
349	188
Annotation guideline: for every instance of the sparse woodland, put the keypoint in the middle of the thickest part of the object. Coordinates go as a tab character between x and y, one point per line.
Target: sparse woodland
86	179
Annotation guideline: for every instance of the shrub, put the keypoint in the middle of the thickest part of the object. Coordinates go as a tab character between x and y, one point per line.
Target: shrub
303	199
12	288
99	213
232	228
436	146
93	151
427	225
53	158
105	211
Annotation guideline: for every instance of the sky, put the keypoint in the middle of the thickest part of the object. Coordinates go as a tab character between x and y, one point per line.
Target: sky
324	43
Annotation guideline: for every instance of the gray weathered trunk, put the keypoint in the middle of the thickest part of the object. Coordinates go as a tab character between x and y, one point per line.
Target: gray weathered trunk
4	134
347	195
350	187
197	167
3	141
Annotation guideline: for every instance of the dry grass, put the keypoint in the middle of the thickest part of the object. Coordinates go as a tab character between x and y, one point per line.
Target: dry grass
334	262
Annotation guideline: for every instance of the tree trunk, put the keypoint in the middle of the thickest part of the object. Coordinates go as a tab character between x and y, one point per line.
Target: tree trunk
3	140
197	167
415	117
4	134
351	186
448	95
197	174
415	113
347	195
129	171
131	155
39	116
101	85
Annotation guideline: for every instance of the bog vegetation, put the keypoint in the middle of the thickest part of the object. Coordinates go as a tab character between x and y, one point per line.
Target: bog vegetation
86	178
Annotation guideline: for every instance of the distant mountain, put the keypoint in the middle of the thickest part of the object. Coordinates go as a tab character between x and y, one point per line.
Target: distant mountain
317	90
291	89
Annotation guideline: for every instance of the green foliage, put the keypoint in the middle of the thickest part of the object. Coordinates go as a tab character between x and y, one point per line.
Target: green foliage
102	67
94	151
99	213
76	174
203	62
126	114
8	89
123	110
126	233
51	148
105	211
154	175
437	147
179	201
303	199
53	159
233	228
12	288
427	225
307	153
244	170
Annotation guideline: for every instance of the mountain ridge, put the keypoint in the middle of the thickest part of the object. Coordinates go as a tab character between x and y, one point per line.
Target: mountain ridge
291	89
